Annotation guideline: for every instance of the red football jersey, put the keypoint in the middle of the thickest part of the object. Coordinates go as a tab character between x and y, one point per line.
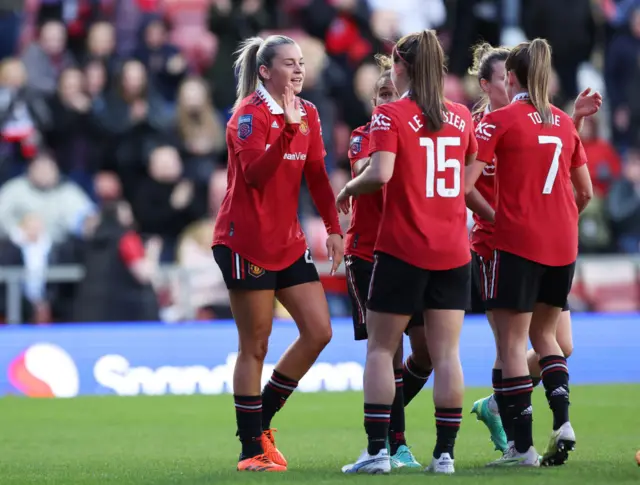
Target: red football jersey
482	230
367	209
424	216
536	212
258	218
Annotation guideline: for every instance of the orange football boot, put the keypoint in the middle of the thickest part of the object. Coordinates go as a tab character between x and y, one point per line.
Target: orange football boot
260	463
269	447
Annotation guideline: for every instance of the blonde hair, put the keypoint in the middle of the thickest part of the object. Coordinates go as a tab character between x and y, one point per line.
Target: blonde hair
531	64
208	125
253	53
423	57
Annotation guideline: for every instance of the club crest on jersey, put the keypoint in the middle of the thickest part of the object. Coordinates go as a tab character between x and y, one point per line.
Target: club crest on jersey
489	170
304	126
245	126
255	270
356	145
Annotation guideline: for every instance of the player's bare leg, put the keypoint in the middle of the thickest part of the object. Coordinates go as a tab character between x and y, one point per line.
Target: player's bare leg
489	409
385	334
442	331
253	314
555	378
512	329
307	305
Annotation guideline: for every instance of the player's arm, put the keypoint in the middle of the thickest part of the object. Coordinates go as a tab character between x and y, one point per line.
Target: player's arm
378	172
360	164
315	173
258	165
580	177
479	205
586	104
322	194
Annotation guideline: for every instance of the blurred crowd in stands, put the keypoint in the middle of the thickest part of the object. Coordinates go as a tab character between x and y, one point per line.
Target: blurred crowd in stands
113	112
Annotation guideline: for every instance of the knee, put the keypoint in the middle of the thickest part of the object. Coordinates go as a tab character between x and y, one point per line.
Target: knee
420	356
318	335
254	349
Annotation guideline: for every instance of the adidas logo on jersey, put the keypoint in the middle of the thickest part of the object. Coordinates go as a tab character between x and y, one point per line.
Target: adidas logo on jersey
275	124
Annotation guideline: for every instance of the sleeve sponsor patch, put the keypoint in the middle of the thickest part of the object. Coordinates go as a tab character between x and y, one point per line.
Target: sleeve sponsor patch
355	146
245	126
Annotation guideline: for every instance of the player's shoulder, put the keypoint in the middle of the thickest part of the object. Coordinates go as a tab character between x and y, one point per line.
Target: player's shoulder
362	131
458	108
308	106
250	106
562	115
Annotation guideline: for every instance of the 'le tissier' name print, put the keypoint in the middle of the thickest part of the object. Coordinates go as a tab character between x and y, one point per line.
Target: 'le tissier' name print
449	118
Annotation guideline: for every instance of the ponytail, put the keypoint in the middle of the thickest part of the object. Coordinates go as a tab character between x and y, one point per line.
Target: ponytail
246	68
423	57
531	64
538	78
253	53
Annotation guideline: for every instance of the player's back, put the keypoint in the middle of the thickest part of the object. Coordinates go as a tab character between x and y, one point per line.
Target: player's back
537	217
424	215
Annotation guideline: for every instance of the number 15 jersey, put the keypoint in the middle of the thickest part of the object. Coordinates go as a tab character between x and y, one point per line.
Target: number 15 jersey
424	217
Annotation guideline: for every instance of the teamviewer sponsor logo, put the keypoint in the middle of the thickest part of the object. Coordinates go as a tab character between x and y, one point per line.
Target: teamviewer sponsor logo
115	372
44	370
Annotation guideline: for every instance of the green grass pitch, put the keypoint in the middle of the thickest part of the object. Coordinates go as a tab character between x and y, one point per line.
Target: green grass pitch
190	440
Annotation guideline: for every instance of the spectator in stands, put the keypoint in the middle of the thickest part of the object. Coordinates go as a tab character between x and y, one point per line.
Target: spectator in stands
18	127
201	131
30	247
72	133
604	162
10	26
47	57
622	74
101	46
624	204
232	21
96	78
413	15
166	201
119	272
60	202
166	66
132	117
206	288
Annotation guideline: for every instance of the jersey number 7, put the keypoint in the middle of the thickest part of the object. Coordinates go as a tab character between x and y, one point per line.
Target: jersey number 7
437	162
553	169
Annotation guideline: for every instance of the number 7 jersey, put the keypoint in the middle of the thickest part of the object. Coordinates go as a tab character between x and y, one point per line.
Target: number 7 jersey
424	216
536	212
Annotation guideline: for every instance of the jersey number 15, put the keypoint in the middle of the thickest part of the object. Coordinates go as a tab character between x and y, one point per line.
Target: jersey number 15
438	163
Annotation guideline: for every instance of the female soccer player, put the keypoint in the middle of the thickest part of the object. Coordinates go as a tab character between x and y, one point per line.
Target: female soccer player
489	67
359	243
273	138
539	162
419	145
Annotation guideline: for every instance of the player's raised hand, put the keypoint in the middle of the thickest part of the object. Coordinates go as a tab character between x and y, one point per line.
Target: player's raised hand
335	250
587	103
292	113
343	201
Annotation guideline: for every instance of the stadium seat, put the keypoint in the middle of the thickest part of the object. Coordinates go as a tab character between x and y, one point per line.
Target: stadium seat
611	285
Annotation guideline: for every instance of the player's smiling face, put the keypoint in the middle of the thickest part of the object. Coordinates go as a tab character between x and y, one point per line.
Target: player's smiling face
495	87
287	67
385	92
